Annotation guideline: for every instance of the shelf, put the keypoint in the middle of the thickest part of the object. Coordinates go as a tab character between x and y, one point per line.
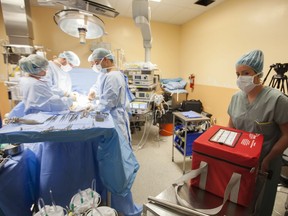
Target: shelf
184	143
188	142
143	86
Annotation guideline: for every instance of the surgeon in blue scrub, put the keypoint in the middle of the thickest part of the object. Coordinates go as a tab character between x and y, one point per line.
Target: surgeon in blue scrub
261	109
113	92
58	76
95	89
114	98
37	95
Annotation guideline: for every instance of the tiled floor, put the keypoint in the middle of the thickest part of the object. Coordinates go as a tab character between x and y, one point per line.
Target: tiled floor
157	171
280	202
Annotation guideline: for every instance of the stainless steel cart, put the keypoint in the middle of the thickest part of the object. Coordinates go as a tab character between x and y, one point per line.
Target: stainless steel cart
166	203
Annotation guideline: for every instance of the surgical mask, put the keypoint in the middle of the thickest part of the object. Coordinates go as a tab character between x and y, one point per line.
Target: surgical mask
246	83
95	68
102	70
99	67
66	67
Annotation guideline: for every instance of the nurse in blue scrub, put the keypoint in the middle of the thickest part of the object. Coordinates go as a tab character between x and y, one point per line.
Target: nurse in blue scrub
37	95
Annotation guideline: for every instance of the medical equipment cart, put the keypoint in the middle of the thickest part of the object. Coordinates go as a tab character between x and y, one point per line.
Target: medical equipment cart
185	148
166	202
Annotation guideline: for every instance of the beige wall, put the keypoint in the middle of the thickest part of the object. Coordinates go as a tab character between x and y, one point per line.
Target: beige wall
211	44
122	34
207	46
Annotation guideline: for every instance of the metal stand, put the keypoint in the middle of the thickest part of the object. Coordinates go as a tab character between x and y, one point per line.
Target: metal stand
279	80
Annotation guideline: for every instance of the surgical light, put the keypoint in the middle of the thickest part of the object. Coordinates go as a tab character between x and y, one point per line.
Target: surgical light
80	24
82	35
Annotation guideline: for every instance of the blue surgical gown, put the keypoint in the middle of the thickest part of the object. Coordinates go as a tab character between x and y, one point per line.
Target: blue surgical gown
59	80
38	96
99	80
113	99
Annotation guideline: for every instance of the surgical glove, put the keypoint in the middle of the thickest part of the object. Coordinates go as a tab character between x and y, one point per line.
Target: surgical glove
66	94
6	120
92	95
74	96
73	106
90	107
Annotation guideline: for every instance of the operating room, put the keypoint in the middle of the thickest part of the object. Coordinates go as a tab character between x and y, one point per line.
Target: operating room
194	43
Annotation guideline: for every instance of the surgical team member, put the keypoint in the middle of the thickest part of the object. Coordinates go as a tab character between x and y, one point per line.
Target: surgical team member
37	95
113	96
57	75
95	89
261	109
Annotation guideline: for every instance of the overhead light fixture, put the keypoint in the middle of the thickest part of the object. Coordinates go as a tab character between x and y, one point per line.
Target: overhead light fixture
80	24
155	0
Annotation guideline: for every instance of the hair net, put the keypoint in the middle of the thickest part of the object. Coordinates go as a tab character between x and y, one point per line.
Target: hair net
100	53
90	58
71	57
33	64
253	59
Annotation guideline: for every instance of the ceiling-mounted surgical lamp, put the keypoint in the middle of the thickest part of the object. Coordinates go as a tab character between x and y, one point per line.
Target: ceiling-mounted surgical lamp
80	24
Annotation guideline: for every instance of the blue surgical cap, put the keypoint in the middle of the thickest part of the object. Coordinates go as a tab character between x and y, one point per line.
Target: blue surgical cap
71	57
33	64
253	59
100	53
90	58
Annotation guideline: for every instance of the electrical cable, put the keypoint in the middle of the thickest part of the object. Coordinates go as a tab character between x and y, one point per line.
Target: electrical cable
147	134
144	137
149	122
140	145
